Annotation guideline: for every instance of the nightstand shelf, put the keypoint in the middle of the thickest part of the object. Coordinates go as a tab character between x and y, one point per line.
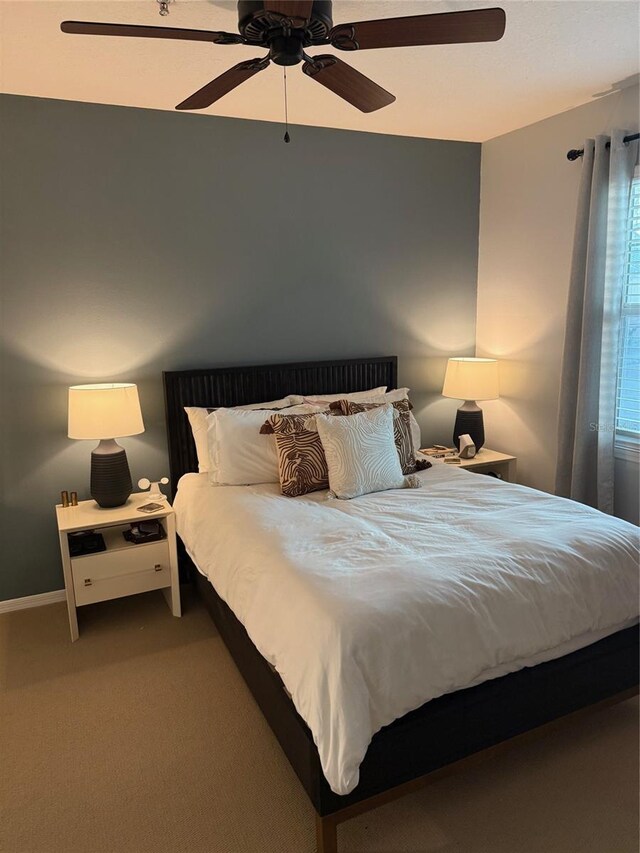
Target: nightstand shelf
114	540
123	568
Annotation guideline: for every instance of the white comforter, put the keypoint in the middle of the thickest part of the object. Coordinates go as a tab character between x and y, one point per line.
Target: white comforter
368	608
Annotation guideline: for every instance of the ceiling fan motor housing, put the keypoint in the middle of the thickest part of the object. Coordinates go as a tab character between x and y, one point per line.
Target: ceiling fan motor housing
285	40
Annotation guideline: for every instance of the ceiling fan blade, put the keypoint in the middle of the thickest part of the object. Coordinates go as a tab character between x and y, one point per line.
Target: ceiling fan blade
296	10
214	90
86	28
348	83
473	25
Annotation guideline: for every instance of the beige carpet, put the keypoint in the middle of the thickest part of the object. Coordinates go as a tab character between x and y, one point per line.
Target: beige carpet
141	737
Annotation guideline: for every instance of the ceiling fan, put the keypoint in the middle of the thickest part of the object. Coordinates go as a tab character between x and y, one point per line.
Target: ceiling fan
286	27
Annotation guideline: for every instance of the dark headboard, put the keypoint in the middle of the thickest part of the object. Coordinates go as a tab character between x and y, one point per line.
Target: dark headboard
236	386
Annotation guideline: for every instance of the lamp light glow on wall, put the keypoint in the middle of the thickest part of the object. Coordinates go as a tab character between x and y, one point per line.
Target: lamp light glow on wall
471	379
106	412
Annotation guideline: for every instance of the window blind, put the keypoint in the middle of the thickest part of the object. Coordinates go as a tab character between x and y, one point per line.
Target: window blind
628	385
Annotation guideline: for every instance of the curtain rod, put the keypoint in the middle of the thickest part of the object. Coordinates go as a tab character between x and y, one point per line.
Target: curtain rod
578	152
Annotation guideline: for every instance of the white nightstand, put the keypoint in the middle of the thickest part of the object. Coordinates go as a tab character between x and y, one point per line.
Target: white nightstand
123	568
490	461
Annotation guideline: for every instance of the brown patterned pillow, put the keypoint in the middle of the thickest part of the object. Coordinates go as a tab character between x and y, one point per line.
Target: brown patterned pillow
302	465
401	427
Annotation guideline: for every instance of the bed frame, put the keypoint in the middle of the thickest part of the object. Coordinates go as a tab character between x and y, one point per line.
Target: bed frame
441	734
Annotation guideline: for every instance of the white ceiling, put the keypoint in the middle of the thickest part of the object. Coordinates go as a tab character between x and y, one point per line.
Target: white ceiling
556	54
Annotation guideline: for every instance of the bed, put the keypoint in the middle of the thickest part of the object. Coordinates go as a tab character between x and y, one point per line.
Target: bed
488	700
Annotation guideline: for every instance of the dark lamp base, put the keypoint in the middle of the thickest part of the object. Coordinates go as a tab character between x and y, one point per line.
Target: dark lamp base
471	423
110	478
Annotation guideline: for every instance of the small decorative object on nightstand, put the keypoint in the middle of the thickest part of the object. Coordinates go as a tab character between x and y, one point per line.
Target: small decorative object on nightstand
106	412
154	487
471	379
467	449
116	567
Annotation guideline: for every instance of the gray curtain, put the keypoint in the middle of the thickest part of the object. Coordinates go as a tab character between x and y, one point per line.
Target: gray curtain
586	433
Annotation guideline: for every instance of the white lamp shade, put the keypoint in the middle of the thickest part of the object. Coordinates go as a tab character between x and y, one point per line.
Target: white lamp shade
104	411
471	379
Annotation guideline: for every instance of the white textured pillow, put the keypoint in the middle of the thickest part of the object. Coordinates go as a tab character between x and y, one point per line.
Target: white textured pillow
198	421
354	396
361	452
393	397
239	455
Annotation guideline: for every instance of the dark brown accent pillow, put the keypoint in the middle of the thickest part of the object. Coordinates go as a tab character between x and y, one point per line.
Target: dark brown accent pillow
302	465
401	427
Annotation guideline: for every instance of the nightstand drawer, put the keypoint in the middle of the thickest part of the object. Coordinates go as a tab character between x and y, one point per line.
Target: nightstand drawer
112	574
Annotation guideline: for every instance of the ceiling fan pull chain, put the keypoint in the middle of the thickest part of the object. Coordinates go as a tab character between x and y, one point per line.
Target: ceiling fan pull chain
164	7
287	138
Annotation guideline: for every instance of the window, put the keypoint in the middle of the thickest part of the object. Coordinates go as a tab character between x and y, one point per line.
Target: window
628	400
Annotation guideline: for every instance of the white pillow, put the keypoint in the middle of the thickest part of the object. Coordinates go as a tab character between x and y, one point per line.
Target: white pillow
239	455
355	396
361	452
198	420
391	396
416	436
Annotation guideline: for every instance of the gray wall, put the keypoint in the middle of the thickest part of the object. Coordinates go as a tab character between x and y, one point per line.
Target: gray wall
528	211
136	241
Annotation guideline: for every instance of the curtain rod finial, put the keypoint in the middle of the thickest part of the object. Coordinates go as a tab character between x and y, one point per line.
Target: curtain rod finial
574	154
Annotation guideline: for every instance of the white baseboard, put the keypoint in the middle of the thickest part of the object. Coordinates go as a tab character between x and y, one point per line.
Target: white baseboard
32	601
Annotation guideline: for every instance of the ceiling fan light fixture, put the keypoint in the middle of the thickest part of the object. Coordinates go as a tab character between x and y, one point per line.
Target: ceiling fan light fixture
286	49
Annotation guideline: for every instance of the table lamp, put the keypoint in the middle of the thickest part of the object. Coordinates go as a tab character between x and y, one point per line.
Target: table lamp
470	379
106	412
